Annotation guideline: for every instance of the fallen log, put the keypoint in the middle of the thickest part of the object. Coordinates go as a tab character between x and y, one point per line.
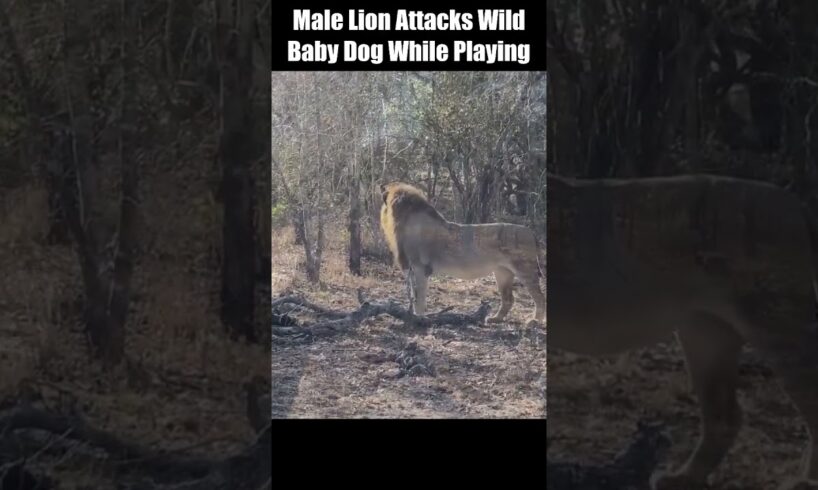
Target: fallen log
302	302
251	468
630	470
342	321
16	476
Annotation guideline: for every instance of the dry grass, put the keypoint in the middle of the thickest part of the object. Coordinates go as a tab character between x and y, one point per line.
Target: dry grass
594	405
483	372
182	383
23	215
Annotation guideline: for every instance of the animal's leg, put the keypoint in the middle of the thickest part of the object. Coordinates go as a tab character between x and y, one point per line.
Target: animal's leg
505	284
421	282
799	375
793	353
529	277
410	288
711	348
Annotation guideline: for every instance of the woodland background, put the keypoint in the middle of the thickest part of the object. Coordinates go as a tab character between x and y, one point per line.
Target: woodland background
643	88
134	225
473	141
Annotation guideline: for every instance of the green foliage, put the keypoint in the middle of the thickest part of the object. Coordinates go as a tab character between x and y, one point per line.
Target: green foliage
279	216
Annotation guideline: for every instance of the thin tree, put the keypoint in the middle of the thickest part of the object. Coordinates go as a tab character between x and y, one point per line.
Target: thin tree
355	210
235	24
106	272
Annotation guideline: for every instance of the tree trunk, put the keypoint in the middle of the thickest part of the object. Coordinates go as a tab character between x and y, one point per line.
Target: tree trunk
236	147
299	227
106	288
119	297
314	250
485	196
34	105
84	225
355	227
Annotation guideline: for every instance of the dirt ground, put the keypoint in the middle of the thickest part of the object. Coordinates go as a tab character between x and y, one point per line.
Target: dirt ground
479	371
180	388
594	405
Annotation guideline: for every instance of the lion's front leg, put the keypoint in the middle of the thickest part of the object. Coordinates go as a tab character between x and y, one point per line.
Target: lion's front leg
410	289
712	349
421	285
505	284
416	285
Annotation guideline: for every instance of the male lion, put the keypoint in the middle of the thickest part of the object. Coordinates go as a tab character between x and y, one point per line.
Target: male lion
423	243
717	261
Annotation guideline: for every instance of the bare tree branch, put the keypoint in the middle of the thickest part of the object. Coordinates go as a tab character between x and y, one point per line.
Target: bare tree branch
342	321
249	469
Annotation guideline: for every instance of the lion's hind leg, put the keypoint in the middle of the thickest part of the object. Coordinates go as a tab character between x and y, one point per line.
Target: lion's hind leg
505	284
417	283
531	280
792	351
410	288
711	347
421	284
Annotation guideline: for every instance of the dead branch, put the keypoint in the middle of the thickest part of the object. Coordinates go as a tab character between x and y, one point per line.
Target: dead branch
75	429
283	320
244	470
345	321
303	303
631	468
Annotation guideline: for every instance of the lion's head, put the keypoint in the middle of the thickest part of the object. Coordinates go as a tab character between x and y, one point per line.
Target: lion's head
400	202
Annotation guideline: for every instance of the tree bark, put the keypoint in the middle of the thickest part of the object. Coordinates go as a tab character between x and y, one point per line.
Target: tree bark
236	148
313	250
105	333
119	296
355	225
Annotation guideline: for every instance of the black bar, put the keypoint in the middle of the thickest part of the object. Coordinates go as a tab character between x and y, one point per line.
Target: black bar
504	41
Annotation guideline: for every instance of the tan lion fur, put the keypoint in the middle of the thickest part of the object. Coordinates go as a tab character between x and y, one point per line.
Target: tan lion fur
423	243
716	262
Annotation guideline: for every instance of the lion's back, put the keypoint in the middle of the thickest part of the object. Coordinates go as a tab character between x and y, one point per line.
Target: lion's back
692	236
417	233
471	251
